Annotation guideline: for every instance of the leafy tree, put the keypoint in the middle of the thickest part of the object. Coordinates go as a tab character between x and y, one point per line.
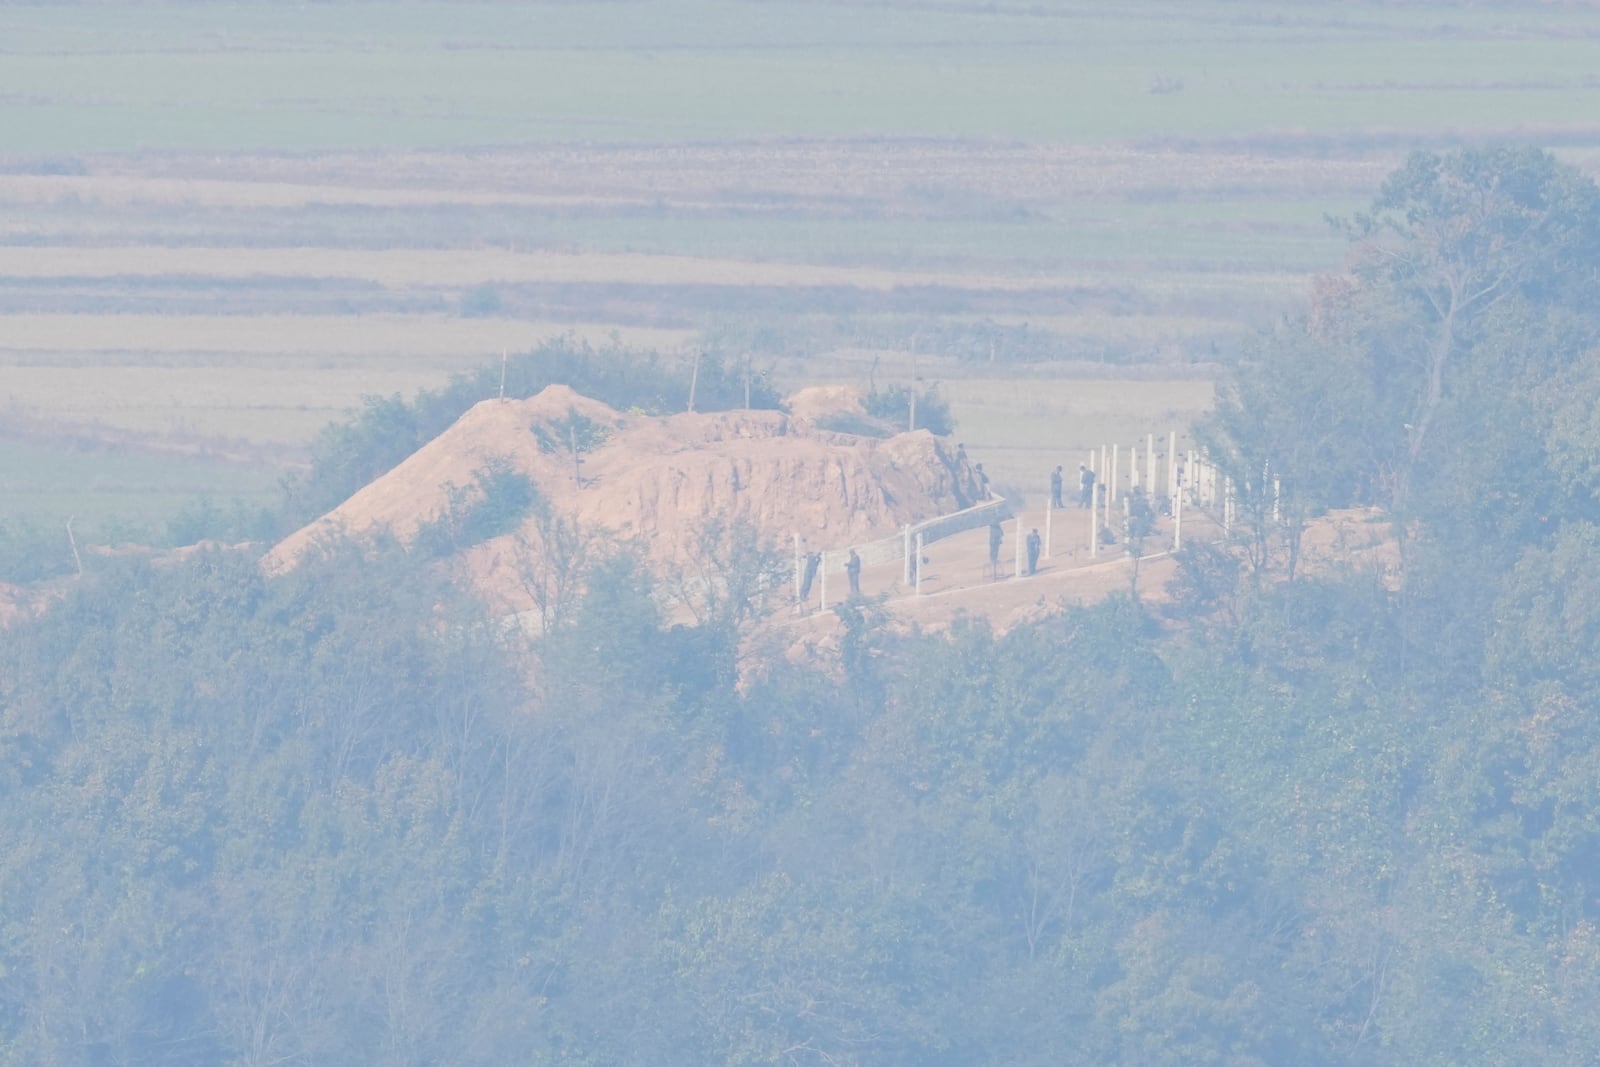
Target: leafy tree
892	404
495	504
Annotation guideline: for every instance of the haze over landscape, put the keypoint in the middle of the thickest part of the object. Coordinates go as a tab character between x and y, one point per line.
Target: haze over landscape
527	533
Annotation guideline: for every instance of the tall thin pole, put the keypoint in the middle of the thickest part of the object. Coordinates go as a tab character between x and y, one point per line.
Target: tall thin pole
503	358
1172	468
694	377
73	541
1017	563
1049	514
1094	524
1111	488
1177	522
919	563
1150	465
911	422
797	573
822	582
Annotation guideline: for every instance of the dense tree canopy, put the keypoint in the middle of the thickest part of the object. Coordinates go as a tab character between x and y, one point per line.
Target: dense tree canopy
337	816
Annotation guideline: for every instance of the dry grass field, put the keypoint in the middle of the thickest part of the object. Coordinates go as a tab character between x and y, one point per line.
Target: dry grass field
1070	213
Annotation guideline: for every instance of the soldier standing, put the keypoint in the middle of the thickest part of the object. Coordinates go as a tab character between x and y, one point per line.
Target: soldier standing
1055	488
813	561
1034	544
852	567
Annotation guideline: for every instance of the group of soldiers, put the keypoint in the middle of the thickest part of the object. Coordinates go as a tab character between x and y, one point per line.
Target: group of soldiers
1034	544
852	570
997	536
1086	486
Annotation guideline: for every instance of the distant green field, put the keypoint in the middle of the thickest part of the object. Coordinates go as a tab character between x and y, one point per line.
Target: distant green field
115	493
92	77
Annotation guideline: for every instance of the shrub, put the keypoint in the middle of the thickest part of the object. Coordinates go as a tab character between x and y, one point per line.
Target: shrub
893	406
496	502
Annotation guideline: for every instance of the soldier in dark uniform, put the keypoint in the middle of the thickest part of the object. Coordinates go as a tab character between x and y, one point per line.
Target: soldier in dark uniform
1055	488
996	535
852	567
813	561
1034	544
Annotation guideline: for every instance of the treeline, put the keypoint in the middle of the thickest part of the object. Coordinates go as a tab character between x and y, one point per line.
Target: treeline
338	817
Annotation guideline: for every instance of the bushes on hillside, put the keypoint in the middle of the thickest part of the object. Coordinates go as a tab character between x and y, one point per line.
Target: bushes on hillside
347	455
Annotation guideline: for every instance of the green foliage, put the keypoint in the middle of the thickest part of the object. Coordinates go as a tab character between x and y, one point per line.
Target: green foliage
575	430
338	816
29	553
892	405
496	502
205	520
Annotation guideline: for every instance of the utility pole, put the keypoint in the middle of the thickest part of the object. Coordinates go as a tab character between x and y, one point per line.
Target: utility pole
73	541
694	378
912	422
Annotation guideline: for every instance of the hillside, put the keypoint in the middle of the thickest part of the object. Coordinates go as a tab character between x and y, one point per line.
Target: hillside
656	481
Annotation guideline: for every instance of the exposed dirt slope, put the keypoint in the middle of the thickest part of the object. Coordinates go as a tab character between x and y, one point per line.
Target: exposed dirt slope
659	480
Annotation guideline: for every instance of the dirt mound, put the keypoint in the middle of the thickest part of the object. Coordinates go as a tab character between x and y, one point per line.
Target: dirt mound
655	481
819	401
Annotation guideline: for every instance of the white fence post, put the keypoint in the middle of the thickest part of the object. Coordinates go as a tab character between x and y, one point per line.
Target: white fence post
1173	489
1177	522
1150	466
1094	524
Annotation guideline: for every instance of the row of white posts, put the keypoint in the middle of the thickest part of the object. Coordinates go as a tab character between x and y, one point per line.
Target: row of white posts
1191	478
1195	479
